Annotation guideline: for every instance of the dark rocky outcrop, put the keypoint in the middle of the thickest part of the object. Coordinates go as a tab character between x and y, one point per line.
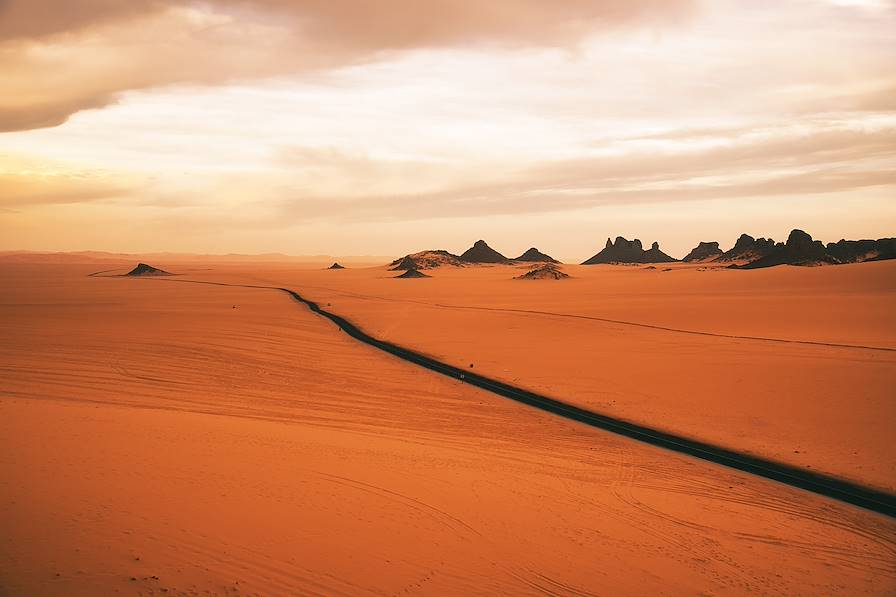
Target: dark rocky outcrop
533	255
855	251
629	251
654	255
336	266
413	273
548	271
748	249
426	260
705	251
800	249
480	252
143	269
618	251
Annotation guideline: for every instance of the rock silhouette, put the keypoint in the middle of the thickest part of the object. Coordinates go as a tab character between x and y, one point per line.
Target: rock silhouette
413	273
800	249
143	269
654	255
426	260
629	251
534	255
548	271
705	251
854	251
480	252
336	266
748	249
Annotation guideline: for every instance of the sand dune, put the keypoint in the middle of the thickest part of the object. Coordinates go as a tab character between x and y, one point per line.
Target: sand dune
205	438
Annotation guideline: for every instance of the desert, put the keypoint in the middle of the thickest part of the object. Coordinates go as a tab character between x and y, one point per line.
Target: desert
180	437
447	298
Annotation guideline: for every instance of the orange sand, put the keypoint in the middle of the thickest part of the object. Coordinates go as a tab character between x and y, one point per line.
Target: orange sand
211	439
822	407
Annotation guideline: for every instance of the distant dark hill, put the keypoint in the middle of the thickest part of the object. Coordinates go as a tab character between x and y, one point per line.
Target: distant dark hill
336	266
800	249
413	273
705	251
480	252
426	260
748	249
854	251
548	271
629	251
143	269
533	255
654	255
618	251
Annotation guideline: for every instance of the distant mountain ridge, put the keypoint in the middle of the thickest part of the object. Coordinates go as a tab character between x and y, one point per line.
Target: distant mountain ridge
480	252
853	251
800	249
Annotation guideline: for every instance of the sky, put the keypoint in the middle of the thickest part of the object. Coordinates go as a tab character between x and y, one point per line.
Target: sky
347	127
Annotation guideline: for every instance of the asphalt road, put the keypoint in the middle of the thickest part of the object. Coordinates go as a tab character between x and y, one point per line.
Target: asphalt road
828	486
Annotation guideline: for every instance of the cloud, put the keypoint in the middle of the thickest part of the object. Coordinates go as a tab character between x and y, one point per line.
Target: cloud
24	183
790	163
57	58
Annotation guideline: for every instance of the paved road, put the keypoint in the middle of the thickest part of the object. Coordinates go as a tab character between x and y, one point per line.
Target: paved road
832	487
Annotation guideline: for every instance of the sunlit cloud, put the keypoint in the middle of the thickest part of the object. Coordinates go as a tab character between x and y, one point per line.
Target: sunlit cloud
238	117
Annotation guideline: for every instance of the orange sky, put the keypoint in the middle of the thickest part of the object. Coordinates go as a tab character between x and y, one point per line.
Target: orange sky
342	127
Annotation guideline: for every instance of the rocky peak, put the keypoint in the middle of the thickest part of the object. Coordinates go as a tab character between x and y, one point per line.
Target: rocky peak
704	251
480	252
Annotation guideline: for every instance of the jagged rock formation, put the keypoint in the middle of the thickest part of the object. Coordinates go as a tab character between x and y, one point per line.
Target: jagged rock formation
533	255
855	251
143	269
618	251
748	249
336	266
626	251
654	255
426	260
413	273
800	249
705	251
480	252
548	271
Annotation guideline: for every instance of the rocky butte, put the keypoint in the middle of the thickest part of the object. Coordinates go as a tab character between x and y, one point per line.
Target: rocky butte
748	249
705	251
626	251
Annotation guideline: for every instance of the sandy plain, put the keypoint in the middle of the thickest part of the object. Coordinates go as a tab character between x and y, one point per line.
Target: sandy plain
162	437
796	364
